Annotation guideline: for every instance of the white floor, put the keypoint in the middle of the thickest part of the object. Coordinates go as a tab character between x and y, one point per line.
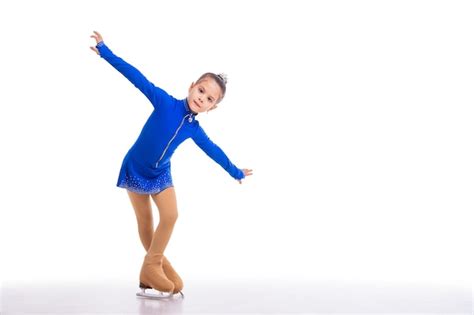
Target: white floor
235	298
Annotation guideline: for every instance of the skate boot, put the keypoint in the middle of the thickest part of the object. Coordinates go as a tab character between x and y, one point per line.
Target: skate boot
173	276
153	276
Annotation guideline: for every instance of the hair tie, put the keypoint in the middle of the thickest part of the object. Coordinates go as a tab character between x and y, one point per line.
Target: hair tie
223	77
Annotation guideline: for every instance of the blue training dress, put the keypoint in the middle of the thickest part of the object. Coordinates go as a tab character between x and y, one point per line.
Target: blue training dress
146	166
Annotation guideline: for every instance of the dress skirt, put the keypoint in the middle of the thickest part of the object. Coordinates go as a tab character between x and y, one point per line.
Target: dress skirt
138	179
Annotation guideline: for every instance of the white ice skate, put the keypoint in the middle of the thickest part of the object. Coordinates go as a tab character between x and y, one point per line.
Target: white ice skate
155	295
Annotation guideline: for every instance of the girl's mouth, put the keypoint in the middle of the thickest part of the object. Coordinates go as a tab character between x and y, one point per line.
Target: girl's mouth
196	103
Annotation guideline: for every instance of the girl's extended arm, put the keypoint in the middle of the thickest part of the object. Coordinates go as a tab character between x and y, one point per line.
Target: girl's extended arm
153	93
216	153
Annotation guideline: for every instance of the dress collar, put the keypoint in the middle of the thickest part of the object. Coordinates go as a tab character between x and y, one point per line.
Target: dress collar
188	109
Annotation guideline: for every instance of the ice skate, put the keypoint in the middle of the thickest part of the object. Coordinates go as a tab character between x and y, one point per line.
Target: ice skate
152	276
173	276
154	294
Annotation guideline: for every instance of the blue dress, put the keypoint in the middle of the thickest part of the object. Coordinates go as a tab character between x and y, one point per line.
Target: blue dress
146	166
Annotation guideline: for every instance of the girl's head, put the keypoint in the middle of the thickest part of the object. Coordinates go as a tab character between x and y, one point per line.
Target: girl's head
207	92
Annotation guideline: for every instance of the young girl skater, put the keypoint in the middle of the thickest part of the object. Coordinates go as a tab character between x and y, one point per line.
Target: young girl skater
145	171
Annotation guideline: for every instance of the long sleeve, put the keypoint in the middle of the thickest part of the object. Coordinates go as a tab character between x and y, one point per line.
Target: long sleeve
216	153
156	95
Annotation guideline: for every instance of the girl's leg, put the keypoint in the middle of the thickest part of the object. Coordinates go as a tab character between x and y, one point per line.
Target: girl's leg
152	273
167	207
142	206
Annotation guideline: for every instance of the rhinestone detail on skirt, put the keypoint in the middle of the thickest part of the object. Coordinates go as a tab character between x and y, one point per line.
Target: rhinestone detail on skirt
146	186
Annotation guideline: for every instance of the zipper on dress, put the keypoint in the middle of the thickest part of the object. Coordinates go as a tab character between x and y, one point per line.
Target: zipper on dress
190	116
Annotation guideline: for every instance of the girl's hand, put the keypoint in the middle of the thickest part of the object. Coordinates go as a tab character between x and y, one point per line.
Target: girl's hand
247	172
98	38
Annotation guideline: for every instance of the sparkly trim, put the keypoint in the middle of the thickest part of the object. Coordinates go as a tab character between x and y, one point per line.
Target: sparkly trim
144	186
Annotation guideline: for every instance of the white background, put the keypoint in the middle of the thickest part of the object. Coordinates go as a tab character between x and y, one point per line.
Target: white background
356	117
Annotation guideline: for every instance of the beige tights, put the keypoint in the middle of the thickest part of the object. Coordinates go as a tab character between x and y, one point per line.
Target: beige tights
155	242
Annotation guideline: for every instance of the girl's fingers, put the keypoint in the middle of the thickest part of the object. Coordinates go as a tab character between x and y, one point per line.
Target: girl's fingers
94	49
247	172
99	37
96	39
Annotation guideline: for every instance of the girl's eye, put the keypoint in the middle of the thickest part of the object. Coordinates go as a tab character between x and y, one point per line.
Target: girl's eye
209	99
201	91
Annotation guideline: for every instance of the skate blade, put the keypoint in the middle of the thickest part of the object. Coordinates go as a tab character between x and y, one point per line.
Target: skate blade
154	296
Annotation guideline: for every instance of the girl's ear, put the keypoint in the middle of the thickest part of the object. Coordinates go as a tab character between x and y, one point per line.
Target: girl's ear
215	105
192	85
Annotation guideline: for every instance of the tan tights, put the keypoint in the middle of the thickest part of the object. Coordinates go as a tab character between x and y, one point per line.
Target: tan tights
165	201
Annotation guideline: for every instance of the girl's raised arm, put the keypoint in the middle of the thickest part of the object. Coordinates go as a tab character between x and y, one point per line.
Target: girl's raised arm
156	95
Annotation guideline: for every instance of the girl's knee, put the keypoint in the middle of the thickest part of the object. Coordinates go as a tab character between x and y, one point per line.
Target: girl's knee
169	217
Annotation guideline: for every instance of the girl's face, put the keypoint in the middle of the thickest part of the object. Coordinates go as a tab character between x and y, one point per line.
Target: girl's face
203	95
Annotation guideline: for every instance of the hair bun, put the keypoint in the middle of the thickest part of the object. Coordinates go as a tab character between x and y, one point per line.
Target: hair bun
223	77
